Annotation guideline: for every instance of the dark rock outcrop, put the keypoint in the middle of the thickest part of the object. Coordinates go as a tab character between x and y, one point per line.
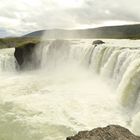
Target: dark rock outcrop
111	132
26	56
97	42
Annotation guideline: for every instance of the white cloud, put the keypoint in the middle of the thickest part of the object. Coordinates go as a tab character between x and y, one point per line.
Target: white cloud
22	16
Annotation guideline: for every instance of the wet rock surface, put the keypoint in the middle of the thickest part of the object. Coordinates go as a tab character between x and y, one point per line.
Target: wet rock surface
97	42
111	132
26	56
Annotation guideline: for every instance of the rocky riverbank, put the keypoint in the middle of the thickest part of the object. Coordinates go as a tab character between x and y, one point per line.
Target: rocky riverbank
111	132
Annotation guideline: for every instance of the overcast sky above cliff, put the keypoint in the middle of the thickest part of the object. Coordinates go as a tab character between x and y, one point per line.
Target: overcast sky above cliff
22	16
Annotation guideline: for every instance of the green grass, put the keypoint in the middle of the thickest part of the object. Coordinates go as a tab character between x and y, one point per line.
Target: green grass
17	41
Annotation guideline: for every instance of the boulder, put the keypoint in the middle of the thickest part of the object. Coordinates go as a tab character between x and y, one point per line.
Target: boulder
111	132
97	42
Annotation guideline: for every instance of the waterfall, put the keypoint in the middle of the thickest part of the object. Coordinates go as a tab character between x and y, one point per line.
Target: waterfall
122	66
7	60
116	63
59	53
119	64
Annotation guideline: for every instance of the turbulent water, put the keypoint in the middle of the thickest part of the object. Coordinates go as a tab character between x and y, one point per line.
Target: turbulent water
78	87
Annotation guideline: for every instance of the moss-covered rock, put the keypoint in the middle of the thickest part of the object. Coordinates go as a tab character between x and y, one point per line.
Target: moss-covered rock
15	42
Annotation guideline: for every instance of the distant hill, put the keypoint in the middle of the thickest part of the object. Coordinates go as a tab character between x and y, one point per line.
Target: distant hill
35	34
124	31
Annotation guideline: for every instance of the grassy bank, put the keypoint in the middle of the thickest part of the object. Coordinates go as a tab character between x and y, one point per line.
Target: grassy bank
17	41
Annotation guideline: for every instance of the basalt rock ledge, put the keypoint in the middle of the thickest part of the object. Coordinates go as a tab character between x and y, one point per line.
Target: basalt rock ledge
26	56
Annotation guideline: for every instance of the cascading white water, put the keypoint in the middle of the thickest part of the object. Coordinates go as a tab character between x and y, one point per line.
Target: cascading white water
122	66
7	60
66	94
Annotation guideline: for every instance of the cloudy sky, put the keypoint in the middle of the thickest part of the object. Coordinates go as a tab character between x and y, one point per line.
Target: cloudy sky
19	17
